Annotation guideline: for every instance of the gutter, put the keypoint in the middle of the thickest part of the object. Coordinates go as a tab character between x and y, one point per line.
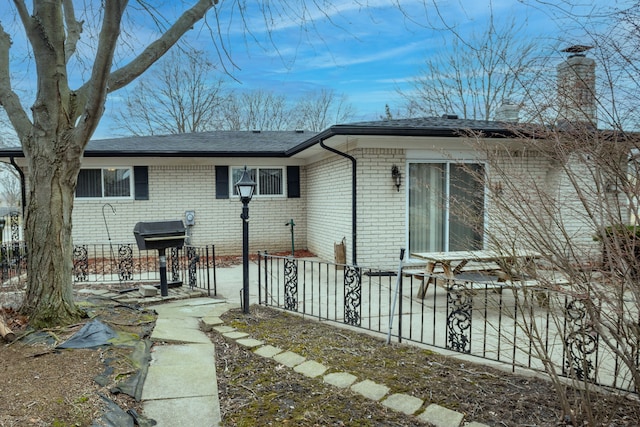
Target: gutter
354	211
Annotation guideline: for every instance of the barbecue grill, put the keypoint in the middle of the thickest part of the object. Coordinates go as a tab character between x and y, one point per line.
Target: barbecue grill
160	235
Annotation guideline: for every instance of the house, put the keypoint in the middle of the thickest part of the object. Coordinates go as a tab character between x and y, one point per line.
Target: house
420	184
379	185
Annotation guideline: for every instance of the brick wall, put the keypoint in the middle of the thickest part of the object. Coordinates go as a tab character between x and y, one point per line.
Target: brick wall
381	209
176	189
329	196
547	198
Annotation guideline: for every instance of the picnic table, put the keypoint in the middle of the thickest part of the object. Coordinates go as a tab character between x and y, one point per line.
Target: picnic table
453	263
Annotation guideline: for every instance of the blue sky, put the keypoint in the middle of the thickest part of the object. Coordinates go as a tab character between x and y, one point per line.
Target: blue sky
365	52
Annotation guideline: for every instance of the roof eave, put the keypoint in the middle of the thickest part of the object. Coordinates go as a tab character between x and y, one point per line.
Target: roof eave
339	130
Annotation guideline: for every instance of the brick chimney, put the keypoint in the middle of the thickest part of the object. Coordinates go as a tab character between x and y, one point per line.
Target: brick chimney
577	88
508	112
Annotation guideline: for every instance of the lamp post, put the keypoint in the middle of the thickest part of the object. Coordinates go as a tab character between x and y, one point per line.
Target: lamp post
245	187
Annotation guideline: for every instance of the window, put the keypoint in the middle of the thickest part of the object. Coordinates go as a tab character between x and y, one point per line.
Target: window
269	181
108	182
446	207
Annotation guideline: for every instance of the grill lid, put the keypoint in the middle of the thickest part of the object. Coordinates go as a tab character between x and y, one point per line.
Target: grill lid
159	228
159	234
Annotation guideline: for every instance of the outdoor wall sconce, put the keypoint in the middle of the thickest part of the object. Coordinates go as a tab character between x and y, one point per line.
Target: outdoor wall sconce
396	176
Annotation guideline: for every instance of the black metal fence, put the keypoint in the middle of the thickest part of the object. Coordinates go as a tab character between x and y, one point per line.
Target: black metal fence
521	326
191	266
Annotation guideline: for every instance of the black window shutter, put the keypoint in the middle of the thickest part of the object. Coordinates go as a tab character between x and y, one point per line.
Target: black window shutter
293	181
141	182
222	182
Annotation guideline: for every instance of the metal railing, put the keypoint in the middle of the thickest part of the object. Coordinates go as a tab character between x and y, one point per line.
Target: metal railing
192	266
519	325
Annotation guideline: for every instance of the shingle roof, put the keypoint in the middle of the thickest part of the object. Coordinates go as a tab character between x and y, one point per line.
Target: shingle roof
218	143
448	122
271	143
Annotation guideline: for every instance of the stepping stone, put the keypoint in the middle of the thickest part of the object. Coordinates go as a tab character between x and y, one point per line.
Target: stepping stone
439	416
340	379
403	403
235	335
249	342
224	329
289	358
209	322
148	291
311	369
268	351
370	390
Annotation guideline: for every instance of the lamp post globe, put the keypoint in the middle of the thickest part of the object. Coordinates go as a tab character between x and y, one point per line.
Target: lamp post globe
245	188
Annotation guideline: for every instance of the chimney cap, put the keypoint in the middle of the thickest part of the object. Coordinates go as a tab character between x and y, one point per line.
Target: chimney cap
577	48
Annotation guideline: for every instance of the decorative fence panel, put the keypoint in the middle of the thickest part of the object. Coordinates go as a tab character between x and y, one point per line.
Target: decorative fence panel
518	326
99	263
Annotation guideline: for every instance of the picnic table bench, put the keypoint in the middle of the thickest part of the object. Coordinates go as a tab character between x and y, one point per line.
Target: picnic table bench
453	263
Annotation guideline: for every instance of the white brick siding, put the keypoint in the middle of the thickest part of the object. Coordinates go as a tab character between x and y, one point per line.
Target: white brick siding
381	209
176	189
328	190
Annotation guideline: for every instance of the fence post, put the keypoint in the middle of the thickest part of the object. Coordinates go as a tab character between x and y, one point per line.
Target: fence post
400	310
206	265
215	279
259	278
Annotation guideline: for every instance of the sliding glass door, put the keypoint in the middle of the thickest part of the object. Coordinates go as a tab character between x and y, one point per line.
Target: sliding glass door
446	206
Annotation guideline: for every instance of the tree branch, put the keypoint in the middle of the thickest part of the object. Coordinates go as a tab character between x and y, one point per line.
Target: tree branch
8	98
93	94
74	29
155	50
25	17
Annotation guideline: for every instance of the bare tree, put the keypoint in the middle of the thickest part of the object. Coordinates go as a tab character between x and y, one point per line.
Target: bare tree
256	110
473	76
321	109
56	129
10	187
581	214
181	95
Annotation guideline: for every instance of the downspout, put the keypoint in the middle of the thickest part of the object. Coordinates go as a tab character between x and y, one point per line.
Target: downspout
353	199
23	188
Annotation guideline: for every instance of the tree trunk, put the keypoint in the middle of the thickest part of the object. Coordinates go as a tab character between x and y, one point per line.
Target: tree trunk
52	176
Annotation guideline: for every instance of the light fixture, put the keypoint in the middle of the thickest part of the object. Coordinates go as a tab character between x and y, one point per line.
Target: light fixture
396	176
245	188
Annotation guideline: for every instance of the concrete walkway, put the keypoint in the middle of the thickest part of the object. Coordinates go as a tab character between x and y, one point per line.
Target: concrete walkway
181	386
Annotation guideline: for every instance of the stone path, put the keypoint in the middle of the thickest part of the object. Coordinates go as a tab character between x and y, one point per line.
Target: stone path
433	414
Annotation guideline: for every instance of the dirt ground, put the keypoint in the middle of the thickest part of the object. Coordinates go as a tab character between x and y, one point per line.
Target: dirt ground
44	386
